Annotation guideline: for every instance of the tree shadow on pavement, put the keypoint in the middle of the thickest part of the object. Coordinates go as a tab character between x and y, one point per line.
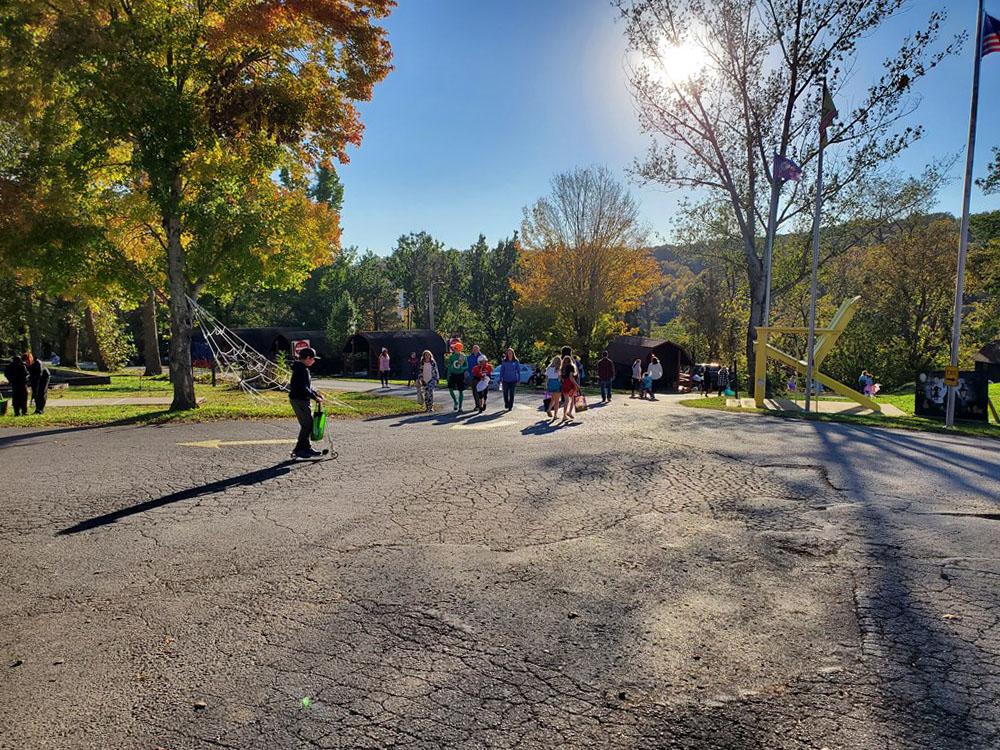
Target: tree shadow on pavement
898	599
250	478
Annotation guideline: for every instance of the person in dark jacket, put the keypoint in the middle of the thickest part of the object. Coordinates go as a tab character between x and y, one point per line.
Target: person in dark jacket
38	377
17	375
300	393
605	374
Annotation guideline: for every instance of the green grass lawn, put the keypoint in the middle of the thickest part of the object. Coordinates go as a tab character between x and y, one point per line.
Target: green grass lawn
910	422
221	402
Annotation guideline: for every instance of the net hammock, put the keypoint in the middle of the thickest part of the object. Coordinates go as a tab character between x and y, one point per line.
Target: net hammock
251	370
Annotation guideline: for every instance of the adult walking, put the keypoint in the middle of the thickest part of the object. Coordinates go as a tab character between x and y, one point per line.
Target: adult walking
510	376
723	380
481	375
636	376
606	375
427	379
300	393
457	369
17	375
655	371
38	378
473	362
569	388
383	367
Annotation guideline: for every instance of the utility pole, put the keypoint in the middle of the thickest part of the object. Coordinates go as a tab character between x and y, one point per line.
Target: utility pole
430	305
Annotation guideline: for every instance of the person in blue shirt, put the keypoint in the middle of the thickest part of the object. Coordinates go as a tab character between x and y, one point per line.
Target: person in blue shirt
510	376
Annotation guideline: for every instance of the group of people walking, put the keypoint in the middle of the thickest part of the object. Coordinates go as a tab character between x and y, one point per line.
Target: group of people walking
24	373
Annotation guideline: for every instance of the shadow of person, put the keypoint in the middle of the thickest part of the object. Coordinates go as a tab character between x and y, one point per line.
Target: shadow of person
250	478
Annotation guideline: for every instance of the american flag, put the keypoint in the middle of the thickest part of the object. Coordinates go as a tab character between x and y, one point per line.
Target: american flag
991	35
785	168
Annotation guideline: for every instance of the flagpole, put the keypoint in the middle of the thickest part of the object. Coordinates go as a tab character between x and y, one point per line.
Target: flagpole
963	247
811	339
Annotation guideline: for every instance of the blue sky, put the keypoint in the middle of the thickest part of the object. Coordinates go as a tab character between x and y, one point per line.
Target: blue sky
491	98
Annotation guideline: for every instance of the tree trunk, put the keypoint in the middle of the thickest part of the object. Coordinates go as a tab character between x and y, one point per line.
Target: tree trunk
756	277
181	374
95	342
150	340
71	344
34	328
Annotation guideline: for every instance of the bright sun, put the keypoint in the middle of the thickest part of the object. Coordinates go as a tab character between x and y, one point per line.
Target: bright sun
676	63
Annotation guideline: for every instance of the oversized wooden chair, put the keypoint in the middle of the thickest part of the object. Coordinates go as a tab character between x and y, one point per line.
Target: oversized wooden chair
823	343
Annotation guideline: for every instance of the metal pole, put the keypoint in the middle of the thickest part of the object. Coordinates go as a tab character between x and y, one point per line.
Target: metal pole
430	305
963	247
812	287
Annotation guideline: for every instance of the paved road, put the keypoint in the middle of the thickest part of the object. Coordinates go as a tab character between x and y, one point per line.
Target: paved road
654	577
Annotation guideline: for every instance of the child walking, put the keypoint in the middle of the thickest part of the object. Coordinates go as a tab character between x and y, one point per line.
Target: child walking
427	379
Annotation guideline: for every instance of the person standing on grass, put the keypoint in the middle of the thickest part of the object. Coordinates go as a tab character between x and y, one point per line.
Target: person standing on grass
427	378
17	375
723	380
414	366
569	387
481	375
38	377
636	376
605	374
510	376
300	393
383	367
705	382
456	363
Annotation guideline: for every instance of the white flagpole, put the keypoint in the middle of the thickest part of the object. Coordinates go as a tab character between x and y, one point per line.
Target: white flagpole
963	247
815	266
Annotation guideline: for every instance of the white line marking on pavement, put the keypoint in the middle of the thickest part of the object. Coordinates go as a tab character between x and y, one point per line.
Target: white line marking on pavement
483	425
216	444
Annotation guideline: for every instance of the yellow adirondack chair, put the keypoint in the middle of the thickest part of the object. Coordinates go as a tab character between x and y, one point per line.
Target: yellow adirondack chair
823	343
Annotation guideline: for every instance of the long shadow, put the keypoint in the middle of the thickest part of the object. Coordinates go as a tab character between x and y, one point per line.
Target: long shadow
42	432
903	623
250	478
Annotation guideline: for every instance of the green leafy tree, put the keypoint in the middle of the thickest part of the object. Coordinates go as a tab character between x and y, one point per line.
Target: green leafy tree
343	321
490	297
180	88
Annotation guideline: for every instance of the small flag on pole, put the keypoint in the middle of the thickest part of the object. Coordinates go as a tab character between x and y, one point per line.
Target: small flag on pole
828	114
786	169
991	35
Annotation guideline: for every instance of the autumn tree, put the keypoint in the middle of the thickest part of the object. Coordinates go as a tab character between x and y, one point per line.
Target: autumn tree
758	94
584	256
908	283
187	91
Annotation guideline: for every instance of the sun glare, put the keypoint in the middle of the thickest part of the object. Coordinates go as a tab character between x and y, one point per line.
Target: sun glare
676	63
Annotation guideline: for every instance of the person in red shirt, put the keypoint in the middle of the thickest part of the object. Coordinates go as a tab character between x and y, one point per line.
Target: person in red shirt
481	374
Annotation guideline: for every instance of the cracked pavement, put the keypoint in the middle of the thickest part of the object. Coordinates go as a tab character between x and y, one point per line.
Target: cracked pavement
655	577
